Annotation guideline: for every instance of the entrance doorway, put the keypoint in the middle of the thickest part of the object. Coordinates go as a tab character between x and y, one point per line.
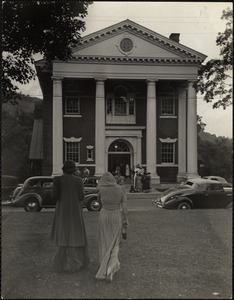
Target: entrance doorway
119	156
118	160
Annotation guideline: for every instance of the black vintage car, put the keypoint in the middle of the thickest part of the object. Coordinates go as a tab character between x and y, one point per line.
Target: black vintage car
35	194
195	193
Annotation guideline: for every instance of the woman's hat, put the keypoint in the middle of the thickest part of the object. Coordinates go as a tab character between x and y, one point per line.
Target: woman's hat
69	166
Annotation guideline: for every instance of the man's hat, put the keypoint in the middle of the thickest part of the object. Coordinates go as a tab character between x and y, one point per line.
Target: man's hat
69	166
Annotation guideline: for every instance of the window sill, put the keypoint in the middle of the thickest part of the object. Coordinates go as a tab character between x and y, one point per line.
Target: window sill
110	119
166	165
72	116
168	117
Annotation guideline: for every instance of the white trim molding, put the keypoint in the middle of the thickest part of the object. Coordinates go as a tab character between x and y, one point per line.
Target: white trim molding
72	140
168	140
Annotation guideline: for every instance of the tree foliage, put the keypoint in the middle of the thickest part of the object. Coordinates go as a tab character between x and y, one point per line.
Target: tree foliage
216	157
200	124
51	28
16	139
214	78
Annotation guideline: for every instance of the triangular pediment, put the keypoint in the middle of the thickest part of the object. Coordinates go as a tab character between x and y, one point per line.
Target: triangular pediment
128	40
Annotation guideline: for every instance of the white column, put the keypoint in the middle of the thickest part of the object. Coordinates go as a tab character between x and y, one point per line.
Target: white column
57	126
151	132
138	151
191	132
181	176
100	128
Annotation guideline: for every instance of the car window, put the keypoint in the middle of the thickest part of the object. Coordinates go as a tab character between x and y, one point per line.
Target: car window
189	183
34	183
214	187
47	184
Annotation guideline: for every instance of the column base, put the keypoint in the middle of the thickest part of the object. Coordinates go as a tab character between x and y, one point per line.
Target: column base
155	179
98	174
56	173
181	177
192	175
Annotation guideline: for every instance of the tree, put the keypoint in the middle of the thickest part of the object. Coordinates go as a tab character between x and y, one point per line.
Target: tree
50	28
216	157
16	138
214	78
200	124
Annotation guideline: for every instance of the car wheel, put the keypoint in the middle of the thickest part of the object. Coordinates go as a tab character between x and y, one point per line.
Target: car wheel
32	205
184	205
94	205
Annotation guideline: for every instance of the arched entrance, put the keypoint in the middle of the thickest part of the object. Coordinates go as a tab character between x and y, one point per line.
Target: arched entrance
119	155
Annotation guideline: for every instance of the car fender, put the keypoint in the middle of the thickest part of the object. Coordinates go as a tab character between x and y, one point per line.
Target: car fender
177	200
89	196
23	198
185	199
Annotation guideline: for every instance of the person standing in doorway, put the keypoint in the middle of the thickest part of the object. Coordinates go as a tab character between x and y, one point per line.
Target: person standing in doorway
127	171
136	172
119	179
113	217
68	229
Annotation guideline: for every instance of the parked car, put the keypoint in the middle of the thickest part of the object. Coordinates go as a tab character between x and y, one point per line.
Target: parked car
195	193
35	194
91	181
9	183
226	185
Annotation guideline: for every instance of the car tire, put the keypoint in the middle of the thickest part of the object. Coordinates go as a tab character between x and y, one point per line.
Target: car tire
184	205
93	204
32	205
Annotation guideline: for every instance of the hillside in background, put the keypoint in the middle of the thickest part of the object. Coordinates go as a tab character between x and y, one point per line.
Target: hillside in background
26	105
205	136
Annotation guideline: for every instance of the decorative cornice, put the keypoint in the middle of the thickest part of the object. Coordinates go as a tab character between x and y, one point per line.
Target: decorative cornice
101	59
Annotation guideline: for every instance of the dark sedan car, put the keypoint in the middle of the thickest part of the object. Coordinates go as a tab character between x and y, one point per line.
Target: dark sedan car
91	181
195	193
35	194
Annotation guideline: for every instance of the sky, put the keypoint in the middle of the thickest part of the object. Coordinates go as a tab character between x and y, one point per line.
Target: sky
198	24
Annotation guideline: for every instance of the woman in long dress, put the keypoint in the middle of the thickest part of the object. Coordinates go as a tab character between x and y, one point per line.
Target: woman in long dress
113	216
68	228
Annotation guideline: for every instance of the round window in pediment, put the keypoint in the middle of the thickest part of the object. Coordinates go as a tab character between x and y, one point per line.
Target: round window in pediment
126	45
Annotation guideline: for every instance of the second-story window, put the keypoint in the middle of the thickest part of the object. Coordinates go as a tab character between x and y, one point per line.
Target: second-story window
168	97
72	105
72	149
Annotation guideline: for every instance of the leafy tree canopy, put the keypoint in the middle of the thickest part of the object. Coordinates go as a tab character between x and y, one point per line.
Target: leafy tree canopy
214	78
51	28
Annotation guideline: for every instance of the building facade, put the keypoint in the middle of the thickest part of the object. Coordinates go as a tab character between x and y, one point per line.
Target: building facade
125	98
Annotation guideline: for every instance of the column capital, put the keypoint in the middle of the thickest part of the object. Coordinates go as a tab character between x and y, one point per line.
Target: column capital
102	79
57	78
191	82
151	80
